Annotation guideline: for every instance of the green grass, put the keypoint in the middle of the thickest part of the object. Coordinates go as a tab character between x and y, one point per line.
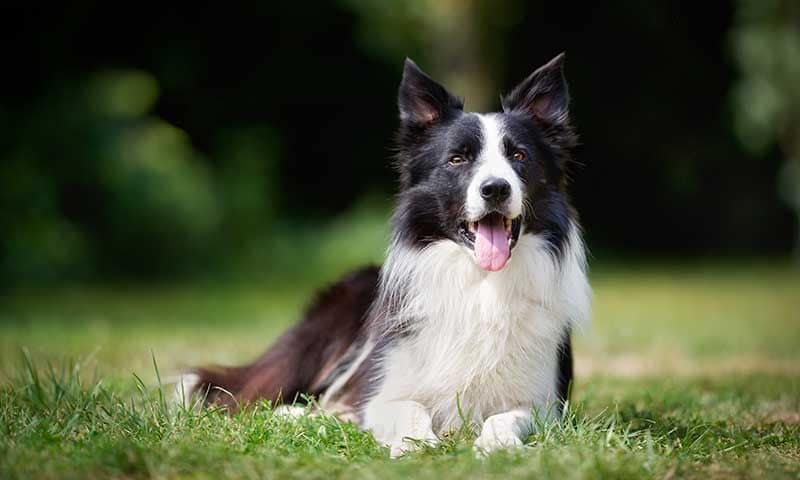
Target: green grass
687	371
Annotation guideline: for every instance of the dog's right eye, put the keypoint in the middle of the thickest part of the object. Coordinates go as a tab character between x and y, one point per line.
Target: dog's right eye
457	160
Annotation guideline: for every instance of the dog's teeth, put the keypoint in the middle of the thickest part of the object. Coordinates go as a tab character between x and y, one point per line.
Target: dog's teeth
471	226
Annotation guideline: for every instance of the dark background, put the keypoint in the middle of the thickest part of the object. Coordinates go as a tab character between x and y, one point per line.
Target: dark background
143	142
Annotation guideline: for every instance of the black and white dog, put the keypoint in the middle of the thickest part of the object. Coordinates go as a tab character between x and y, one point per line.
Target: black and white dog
453	327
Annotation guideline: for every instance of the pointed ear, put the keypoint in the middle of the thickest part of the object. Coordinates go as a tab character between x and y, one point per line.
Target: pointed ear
421	100
543	95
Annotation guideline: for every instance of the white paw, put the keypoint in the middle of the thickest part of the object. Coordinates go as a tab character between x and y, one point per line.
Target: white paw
501	431
403	426
401	445
489	442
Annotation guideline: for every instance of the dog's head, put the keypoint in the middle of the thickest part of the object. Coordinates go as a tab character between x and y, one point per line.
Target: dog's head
482	180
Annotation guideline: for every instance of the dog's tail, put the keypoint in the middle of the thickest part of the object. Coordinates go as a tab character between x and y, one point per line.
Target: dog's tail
302	360
210	385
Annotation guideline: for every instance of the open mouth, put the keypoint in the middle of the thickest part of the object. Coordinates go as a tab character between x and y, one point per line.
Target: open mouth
492	238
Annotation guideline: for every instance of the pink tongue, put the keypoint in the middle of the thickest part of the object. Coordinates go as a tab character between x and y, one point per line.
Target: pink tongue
491	243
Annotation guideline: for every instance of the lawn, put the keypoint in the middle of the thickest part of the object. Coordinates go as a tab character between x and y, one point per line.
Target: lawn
688	370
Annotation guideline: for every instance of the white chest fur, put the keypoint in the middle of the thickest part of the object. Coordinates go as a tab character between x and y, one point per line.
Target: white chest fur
481	342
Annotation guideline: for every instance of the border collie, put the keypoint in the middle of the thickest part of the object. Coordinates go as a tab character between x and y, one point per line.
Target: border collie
469	319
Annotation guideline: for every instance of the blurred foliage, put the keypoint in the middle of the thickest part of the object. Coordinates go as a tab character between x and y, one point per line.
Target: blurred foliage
461	40
257	138
766	44
660	170
105	185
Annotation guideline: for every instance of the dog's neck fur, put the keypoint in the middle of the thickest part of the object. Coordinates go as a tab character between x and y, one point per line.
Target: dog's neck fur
489	338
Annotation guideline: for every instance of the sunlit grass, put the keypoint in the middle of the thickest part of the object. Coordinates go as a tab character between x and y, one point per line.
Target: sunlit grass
57	424
688	371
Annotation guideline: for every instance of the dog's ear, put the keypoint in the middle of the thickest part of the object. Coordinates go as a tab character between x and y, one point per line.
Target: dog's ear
543	95
421	100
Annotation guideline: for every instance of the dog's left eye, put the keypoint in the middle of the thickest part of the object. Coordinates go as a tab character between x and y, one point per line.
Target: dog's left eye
518	156
457	160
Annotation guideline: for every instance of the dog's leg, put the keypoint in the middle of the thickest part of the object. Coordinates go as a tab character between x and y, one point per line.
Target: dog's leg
400	425
504	430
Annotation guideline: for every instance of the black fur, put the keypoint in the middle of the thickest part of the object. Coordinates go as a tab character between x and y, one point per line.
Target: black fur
565	368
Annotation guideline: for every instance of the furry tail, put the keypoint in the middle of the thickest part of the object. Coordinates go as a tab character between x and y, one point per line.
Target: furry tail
303	359
211	385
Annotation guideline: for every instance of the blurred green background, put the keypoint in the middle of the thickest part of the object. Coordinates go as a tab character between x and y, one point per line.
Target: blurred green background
141	144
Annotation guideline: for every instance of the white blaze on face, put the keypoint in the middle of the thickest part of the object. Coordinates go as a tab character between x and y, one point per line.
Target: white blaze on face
492	229
492	163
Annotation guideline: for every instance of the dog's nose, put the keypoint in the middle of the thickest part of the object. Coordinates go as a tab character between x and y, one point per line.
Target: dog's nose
495	190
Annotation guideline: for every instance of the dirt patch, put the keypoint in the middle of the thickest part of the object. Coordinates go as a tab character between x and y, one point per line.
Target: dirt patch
786	417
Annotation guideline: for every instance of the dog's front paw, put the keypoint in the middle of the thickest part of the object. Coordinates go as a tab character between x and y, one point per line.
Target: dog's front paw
499	432
403	426
487	443
400	446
